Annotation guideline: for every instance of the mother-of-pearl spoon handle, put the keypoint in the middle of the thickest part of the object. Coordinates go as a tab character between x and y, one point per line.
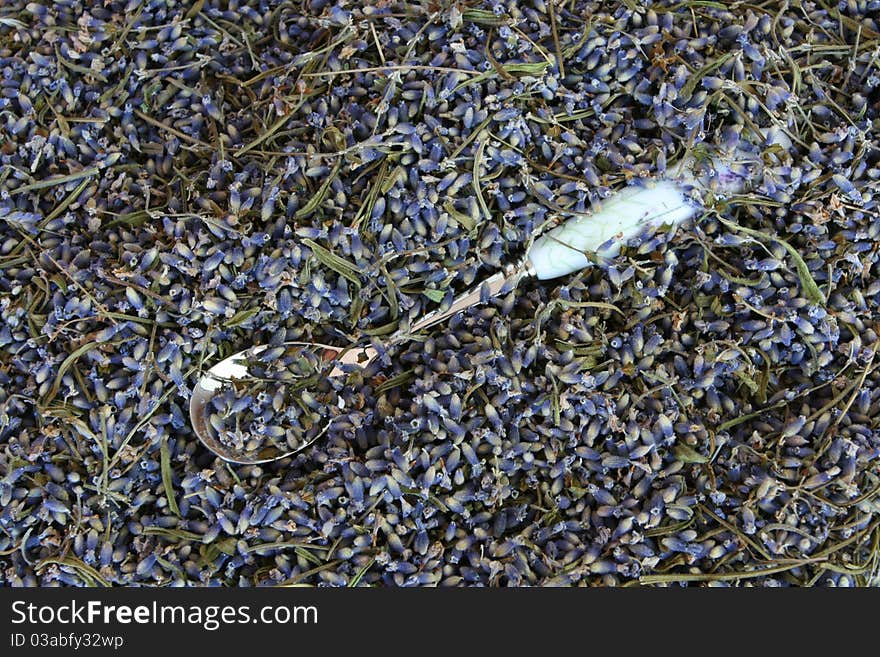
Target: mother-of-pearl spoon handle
598	236
586	239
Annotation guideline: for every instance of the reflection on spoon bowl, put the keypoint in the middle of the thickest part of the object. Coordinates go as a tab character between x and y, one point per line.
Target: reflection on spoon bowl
234	370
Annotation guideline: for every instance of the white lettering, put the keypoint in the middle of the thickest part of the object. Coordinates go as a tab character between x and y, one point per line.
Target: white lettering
16	609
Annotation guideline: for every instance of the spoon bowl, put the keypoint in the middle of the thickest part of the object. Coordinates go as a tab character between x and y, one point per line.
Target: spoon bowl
235	367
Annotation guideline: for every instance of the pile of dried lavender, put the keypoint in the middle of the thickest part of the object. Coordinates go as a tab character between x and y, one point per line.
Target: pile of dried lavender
181	180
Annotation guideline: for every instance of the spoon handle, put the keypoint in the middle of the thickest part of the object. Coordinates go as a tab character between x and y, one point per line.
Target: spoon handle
598	236
593	237
587	239
472	297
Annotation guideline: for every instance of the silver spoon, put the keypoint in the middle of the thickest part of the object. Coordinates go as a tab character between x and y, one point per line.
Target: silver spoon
233	367
574	245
